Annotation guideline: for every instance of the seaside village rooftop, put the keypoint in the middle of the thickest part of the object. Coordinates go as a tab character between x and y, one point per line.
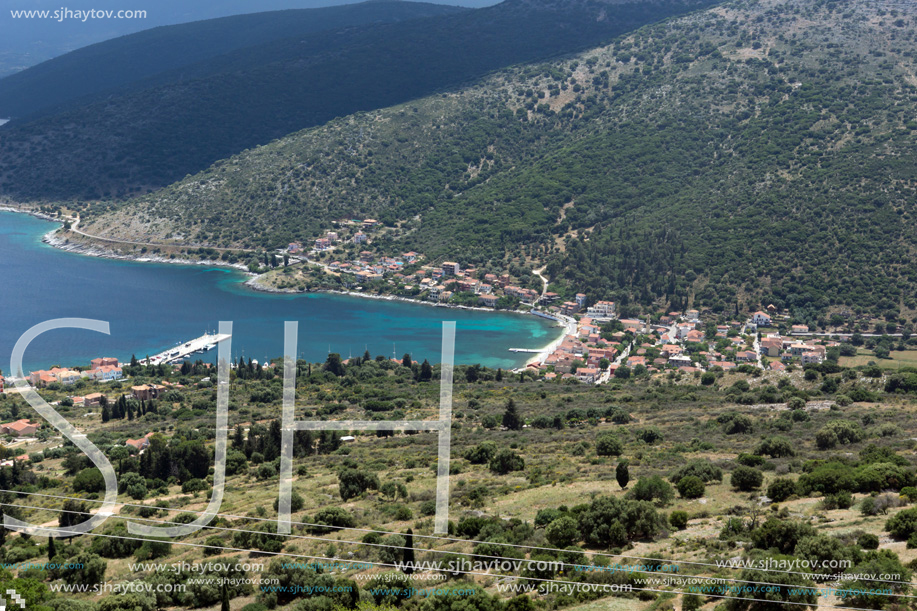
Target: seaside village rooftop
602	346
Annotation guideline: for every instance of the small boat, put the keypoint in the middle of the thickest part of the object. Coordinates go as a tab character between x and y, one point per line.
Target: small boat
209	347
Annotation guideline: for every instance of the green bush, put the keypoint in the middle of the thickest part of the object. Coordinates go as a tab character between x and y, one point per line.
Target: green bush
296	502
332	516
903	524
826	439
691	487
736	424
845	430
482	453
868	541
506	461
562	532
679	519
781	489
781	534
354	482
608	444
89	480
750	460
746	478
653	489
611	522
704	469
776	447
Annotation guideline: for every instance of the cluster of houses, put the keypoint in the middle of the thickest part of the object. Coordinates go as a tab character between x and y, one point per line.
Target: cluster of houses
104	369
359	228
440	282
585	355
368	267
676	341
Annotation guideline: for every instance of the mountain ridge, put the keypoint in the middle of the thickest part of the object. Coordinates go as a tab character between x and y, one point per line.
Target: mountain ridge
707	160
142	140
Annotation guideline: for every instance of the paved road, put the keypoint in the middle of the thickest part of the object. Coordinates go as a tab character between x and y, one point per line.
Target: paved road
74	221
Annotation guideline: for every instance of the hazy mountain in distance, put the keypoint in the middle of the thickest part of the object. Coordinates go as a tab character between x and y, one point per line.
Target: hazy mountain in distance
113	65
27	42
158	130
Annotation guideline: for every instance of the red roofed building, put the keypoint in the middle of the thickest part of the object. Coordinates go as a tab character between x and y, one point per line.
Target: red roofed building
20	428
106	361
139	444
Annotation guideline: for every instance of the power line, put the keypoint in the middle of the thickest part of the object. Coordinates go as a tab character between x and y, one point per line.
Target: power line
374	563
807	574
257	532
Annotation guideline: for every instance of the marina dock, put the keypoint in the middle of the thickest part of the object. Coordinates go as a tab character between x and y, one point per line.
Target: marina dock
181	351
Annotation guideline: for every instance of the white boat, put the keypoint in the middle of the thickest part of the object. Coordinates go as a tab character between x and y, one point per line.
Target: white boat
209	347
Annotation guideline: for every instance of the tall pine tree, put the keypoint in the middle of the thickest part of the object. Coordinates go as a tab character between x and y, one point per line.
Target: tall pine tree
511	418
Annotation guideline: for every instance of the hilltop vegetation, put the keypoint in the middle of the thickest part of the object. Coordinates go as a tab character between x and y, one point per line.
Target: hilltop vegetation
756	151
815	465
145	138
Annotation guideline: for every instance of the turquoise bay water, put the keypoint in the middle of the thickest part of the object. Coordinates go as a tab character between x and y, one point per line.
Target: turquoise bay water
151	307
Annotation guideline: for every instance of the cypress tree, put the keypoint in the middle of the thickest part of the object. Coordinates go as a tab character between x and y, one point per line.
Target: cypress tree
622	474
408	557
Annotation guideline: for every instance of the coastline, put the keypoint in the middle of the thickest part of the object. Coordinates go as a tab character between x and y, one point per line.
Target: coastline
52	239
542	354
569	327
252	283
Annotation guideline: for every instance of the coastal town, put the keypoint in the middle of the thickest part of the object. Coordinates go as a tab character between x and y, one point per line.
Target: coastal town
603	347
597	345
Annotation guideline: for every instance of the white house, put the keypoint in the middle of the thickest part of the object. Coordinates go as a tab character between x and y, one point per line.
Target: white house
761	318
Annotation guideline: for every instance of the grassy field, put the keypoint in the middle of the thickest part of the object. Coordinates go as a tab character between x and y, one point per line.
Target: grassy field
899	359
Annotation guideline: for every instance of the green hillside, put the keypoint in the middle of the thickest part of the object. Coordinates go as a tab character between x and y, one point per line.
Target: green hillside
759	150
147	138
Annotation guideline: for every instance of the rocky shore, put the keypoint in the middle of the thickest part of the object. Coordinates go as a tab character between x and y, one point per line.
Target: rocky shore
53	239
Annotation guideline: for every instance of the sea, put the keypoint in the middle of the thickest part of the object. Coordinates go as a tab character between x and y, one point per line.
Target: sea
151	307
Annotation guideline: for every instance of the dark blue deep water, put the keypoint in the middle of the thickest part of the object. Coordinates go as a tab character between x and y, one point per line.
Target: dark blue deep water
151	307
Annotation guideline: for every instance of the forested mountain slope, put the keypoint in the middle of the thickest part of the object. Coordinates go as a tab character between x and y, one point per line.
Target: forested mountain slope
755	150
180	52
147	138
